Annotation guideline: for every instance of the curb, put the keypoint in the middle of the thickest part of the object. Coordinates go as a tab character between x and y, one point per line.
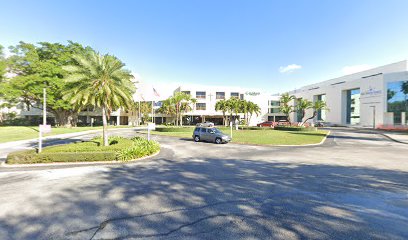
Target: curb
392	139
5	165
382	134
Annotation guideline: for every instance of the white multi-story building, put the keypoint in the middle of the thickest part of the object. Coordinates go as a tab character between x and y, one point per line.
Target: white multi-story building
207	97
371	98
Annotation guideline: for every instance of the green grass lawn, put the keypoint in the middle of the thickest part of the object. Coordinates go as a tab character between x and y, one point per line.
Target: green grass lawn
264	137
9	134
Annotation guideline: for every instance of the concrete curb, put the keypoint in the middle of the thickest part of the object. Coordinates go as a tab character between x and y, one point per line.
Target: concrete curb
388	136
392	139
5	165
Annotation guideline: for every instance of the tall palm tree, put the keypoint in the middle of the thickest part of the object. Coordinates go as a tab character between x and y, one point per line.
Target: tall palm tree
253	108
222	106
100	81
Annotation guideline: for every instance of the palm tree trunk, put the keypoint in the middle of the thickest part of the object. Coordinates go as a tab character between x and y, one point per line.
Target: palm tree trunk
105	126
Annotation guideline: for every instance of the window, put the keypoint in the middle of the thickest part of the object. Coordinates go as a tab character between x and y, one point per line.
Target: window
186	92
241	96
220	95
200	106
274	103
200	95
353	106
321	114
203	130
397	103
234	95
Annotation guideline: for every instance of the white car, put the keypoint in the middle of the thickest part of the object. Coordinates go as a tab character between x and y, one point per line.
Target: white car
205	124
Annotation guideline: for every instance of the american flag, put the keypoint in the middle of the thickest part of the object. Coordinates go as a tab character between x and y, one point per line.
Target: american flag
156	93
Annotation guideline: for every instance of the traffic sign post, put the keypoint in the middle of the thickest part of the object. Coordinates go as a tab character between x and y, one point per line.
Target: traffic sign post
42	129
150	126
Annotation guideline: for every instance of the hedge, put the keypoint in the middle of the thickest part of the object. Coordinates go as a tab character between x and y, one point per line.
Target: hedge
256	128
294	128
33	157
174	129
86	152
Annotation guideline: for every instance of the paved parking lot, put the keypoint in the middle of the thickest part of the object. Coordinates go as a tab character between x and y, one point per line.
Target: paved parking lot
354	186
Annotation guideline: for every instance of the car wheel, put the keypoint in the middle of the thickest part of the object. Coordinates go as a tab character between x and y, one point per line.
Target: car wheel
196	138
218	141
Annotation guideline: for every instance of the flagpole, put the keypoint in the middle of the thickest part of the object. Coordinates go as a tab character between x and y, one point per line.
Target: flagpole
152	112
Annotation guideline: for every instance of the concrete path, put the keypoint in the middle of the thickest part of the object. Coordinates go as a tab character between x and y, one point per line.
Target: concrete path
355	186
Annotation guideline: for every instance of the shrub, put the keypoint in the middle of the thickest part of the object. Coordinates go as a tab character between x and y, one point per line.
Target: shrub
294	128
174	129
119	149
33	157
141	147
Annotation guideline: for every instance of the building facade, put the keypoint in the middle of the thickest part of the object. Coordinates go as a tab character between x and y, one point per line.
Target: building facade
207	97
371	98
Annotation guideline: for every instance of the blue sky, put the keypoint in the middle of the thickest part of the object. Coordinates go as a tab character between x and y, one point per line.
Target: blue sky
238	43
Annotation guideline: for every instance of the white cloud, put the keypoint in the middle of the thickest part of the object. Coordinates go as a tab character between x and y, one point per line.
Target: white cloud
355	68
290	68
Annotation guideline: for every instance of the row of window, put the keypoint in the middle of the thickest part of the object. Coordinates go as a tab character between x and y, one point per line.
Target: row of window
218	95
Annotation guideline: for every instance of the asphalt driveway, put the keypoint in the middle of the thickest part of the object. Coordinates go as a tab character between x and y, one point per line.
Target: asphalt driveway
354	186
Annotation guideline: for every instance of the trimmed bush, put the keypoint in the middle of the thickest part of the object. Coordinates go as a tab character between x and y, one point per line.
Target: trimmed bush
119	148
294	128
174	129
256	128
33	157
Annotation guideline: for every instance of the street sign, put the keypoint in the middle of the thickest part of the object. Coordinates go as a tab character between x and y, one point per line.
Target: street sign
45	128
151	126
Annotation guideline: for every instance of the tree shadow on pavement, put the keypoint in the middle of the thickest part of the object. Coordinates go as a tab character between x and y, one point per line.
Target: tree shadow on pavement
220	198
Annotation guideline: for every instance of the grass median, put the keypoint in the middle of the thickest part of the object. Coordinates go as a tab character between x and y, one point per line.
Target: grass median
119	149
15	133
261	136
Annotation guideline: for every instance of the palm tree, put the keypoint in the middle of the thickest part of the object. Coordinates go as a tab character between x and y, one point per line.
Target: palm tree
222	106
100	81
302	105
317	106
253	108
285	108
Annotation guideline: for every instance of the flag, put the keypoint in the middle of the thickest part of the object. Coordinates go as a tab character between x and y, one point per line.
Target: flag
156	93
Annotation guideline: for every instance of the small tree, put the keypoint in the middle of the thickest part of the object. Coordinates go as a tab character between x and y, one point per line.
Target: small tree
253	108
317	106
285	108
222	106
302	105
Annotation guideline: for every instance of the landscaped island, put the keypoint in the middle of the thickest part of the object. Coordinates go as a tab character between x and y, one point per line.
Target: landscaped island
119	149
254	135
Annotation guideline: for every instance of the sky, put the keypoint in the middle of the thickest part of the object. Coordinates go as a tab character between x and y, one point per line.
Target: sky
275	46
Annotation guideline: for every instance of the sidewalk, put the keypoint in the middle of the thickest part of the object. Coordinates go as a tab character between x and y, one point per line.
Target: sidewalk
58	137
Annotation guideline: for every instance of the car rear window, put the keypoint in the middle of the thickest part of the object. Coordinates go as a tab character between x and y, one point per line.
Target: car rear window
196	129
